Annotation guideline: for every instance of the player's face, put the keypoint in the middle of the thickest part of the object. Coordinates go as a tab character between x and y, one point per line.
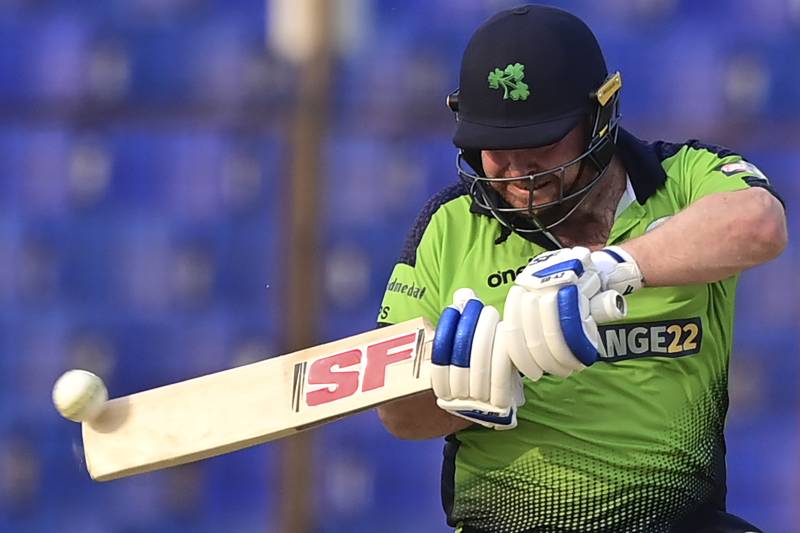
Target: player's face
526	161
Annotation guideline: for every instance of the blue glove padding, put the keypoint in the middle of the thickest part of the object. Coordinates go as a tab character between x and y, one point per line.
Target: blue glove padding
553	310
472	375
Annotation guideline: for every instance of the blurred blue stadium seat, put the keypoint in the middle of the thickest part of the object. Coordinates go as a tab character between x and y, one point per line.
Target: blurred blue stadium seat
14	82
761	485
361	482
141	177
241	488
161	60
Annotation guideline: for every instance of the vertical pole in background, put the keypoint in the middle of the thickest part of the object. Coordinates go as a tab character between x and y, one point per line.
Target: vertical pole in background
301	30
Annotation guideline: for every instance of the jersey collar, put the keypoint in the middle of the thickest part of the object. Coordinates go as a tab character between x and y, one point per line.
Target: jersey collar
645	173
627	198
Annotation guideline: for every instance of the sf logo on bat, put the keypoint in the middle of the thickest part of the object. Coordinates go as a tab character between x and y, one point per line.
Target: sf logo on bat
357	370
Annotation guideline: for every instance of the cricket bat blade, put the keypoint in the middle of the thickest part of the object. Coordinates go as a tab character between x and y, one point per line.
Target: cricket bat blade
252	404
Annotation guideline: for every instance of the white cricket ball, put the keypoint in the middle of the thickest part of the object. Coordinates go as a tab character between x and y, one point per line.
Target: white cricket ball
79	395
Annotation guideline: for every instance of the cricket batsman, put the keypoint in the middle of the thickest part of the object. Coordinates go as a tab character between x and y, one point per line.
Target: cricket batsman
555	419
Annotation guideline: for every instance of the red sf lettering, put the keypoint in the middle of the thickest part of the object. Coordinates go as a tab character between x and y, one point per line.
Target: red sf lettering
378	358
338	384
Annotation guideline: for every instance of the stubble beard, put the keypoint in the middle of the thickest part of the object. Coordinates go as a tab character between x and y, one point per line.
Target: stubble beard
590	222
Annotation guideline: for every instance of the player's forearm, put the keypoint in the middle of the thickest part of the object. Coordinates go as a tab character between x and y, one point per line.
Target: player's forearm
418	417
716	237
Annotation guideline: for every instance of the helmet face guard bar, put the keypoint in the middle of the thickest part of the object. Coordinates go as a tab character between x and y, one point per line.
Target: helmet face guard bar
600	151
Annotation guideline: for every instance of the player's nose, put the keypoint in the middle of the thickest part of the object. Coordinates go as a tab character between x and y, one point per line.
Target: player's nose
520	163
519	167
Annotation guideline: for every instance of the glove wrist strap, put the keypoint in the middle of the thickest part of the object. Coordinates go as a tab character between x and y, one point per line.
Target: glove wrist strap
618	269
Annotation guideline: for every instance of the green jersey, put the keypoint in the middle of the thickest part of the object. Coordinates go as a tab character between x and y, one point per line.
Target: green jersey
634	442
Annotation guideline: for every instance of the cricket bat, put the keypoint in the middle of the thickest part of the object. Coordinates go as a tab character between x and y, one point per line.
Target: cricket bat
252	404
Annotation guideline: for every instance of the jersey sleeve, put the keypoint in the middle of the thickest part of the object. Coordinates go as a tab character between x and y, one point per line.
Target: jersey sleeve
412	290
709	170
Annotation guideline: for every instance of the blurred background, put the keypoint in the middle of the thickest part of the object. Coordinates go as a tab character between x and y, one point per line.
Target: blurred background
148	153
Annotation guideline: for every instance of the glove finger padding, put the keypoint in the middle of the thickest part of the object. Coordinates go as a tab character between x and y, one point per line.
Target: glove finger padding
442	352
444	340
529	351
515	337
461	362
578	334
471	369
483	355
550	318
552	304
504	376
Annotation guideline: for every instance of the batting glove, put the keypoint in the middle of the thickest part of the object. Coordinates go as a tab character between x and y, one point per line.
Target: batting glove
472	375
552	312
618	270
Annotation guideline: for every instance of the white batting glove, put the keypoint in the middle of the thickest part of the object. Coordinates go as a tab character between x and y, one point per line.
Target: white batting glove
618	270
472	375
552	312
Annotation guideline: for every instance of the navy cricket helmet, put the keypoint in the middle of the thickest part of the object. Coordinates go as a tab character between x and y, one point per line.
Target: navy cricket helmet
529	76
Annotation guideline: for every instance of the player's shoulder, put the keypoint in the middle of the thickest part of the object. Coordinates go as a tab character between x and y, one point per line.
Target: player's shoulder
696	157
645	155
694	152
696	167
445	198
652	165
453	198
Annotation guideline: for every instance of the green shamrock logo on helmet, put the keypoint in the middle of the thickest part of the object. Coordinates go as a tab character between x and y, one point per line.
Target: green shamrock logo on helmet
511	81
